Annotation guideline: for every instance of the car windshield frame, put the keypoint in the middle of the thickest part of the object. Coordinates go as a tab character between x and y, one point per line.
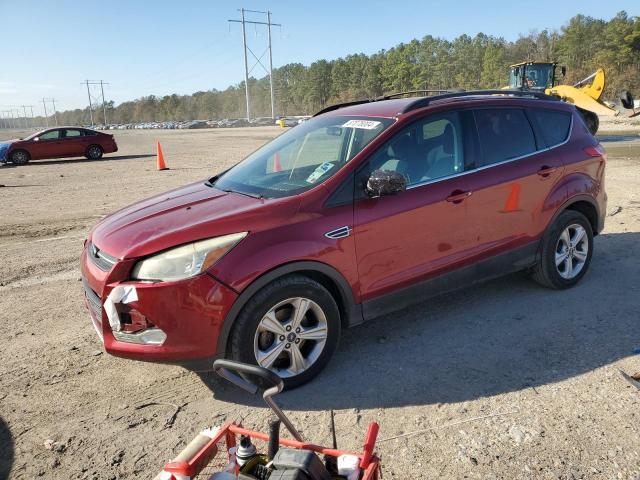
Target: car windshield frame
303	157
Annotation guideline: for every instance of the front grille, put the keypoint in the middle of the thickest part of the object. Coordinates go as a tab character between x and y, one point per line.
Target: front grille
99	258
95	304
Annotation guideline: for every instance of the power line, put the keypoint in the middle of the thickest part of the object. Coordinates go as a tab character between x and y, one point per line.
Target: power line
246	48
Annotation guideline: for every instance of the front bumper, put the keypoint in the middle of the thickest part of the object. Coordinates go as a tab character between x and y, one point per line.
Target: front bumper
190	313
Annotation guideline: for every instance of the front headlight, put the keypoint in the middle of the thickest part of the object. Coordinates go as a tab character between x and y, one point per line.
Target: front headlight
187	260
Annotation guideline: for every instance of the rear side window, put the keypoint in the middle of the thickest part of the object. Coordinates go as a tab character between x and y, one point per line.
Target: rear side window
72	133
552	124
505	133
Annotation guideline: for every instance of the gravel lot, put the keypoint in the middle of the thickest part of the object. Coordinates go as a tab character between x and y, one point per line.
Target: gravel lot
504	380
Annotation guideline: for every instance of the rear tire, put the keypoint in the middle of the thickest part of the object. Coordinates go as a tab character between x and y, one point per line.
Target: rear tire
268	333
567	247
20	157
94	152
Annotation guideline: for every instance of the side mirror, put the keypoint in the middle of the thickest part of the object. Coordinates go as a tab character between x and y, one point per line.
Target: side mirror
385	182
516	71
37	139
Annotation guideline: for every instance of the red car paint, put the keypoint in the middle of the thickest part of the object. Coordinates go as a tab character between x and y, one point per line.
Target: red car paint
395	241
38	147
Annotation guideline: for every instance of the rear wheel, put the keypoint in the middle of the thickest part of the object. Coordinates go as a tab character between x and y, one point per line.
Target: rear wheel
20	157
566	251
94	152
290	327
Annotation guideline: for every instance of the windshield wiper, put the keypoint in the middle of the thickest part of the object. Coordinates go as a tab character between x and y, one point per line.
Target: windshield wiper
252	195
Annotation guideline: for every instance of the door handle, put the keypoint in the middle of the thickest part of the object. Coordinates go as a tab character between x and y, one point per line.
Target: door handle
545	171
458	196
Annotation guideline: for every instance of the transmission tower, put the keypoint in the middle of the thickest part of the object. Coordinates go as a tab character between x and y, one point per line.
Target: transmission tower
91	97
258	60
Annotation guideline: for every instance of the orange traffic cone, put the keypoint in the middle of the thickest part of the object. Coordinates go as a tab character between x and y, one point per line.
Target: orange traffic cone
276	163
160	160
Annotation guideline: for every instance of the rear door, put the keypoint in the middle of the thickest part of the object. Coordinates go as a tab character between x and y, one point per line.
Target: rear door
73	142
515	173
408	237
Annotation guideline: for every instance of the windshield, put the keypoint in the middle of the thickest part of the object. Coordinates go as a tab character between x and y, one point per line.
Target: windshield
536	76
303	157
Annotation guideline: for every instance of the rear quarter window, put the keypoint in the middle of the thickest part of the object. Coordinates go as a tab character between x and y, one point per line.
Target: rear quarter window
89	133
553	125
505	133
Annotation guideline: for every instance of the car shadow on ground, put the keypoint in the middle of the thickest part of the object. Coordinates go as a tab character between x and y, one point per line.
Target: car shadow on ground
57	161
6	449
502	336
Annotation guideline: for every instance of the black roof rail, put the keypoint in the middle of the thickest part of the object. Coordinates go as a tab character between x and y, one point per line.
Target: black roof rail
390	96
331	108
423	102
439	95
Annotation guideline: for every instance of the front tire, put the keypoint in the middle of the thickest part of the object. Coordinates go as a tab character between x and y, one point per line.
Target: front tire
94	152
20	157
291	327
567	248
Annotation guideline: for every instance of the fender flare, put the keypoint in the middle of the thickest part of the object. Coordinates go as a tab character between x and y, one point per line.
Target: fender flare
352	311
576	199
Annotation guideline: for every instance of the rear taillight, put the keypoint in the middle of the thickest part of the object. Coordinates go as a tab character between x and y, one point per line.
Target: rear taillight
596	151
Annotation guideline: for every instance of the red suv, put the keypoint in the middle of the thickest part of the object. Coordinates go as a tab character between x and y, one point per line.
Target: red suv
59	143
364	209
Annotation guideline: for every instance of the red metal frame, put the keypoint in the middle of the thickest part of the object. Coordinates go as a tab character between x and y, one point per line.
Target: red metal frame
187	468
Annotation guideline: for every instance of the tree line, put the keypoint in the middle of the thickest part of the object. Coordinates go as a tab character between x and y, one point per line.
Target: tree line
582	45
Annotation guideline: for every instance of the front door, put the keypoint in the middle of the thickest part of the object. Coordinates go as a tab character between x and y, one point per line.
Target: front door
419	233
47	145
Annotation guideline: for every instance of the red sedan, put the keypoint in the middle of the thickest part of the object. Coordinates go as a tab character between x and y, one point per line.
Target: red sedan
59	143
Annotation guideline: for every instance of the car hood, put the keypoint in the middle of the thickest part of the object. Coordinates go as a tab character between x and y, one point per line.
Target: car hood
190	213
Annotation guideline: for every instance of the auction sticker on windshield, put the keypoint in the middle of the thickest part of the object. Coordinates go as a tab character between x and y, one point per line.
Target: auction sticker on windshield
366	124
318	172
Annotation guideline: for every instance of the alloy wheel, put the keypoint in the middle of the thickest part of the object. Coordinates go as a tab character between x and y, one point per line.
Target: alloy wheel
572	251
291	336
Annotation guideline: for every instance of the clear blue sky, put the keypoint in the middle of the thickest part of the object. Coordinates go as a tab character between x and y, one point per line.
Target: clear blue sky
159	47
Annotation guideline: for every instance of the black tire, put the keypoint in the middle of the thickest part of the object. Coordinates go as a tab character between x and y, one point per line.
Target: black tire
244	333
591	120
94	152
20	157
546	273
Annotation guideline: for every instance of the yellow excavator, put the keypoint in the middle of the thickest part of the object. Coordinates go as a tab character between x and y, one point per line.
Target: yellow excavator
585	95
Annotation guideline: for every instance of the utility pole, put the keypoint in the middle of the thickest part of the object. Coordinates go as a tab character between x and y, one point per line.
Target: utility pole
273	101
246	49
24	109
46	117
55	113
104	107
90	106
33	119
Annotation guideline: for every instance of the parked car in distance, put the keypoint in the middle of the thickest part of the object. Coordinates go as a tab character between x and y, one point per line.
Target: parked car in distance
362	210
61	142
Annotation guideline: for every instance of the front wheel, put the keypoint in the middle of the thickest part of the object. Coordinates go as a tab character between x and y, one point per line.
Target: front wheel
566	251
19	157
291	327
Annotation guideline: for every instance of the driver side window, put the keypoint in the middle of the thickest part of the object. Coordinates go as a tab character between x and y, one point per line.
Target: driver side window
426	150
52	135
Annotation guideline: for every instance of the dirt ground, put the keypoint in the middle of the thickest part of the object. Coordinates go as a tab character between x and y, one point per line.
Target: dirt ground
504	380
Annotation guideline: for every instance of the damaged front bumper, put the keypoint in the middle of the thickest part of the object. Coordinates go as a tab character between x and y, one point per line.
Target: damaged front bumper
170	322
